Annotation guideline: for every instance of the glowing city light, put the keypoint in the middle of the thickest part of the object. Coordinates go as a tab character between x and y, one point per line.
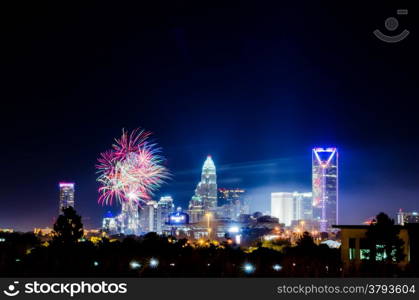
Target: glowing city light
234	229
134	265
132	196
154	263
277	267
248	268
66	184
270	237
177	218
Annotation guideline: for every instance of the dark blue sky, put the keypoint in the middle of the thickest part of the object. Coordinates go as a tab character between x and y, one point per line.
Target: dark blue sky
255	85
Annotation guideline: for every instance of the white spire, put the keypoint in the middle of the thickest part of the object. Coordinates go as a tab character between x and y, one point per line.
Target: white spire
209	163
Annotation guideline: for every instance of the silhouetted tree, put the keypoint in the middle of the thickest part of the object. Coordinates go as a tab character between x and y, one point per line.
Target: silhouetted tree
68	228
309	259
306	242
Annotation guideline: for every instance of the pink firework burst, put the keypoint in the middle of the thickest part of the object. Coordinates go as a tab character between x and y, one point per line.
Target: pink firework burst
132	170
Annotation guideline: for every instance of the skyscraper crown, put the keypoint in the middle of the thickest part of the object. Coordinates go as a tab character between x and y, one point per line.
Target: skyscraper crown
209	163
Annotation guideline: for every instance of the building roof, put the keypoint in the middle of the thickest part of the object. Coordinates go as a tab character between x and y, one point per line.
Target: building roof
356	226
351	226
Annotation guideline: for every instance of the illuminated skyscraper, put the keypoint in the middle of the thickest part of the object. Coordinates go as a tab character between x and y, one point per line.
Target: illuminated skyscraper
66	195
149	218
207	187
325	187
282	207
234	203
303	207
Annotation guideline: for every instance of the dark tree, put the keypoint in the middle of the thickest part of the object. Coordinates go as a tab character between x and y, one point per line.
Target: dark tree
68	228
383	240
309	259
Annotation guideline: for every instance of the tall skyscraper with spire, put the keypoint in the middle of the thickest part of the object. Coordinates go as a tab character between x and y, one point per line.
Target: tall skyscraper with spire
207	187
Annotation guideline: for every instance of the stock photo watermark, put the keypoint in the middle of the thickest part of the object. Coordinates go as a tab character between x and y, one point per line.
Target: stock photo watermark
392	24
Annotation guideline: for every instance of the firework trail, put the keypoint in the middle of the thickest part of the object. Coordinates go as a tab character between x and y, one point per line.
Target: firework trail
132	170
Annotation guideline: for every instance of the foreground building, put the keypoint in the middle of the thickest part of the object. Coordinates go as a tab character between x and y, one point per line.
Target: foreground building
325	187
354	246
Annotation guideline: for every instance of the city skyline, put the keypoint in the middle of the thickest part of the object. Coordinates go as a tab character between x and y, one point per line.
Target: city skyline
67	191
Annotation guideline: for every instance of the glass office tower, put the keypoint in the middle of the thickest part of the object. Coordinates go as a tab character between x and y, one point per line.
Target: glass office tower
325	187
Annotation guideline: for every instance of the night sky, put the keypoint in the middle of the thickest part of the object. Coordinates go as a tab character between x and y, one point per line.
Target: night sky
254	84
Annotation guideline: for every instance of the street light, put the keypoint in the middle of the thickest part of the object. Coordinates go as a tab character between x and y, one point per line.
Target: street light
248	268
154	263
277	267
134	265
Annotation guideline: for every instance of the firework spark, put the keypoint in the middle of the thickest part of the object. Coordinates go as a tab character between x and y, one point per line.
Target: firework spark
132	170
